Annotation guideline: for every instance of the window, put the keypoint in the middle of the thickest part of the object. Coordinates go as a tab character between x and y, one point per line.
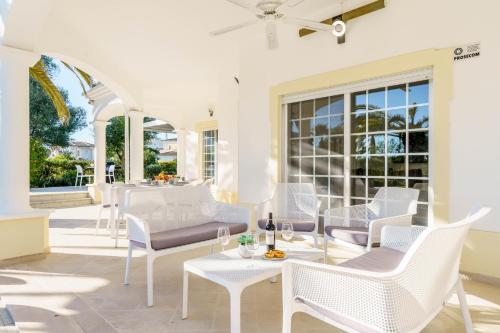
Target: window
355	141
209	154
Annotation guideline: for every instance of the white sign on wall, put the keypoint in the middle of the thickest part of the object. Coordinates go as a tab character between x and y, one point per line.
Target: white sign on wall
467	52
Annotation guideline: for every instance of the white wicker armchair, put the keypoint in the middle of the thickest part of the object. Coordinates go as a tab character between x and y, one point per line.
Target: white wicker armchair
292	203
399	287
166	220
361	225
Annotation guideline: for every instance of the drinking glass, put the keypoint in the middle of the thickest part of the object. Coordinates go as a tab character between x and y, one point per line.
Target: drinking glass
287	232
223	236
252	245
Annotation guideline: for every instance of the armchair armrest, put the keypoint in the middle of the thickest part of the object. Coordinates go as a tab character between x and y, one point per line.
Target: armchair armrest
352	216
400	238
138	230
375	227
232	213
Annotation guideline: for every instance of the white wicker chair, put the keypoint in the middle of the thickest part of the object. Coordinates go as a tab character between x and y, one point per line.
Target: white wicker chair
399	287
166	220
361	225
292	203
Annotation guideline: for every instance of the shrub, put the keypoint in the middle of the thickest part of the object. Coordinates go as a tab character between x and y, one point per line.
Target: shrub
168	167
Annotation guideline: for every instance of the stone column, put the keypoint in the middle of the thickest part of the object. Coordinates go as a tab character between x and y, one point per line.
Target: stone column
100	151
181	152
136	145
14	130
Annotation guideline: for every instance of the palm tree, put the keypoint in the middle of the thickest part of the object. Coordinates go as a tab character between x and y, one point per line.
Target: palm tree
40	74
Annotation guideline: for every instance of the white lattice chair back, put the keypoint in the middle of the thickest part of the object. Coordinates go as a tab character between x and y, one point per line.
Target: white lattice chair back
390	201
111	168
79	169
294	201
428	272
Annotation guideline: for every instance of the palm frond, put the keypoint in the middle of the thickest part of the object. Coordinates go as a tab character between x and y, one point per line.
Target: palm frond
88	79
74	71
39	73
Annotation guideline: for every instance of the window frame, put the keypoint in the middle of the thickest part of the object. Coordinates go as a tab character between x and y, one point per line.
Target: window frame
347	90
215	154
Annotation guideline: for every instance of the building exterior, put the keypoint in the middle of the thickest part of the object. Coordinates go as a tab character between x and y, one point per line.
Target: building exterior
78	149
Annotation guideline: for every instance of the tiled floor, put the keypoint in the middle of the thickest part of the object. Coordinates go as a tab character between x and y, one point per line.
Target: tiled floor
78	288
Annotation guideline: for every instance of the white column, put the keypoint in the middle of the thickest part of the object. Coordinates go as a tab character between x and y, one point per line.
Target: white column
127	148
99	151
14	130
181	152
136	145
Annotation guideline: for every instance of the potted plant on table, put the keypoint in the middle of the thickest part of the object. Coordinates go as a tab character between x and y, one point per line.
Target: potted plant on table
242	241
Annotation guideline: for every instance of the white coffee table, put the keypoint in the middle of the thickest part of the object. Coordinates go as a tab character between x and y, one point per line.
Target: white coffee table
235	273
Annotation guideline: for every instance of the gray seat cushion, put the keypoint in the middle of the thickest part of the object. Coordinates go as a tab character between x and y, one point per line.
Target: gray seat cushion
381	259
301	226
353	235
194	234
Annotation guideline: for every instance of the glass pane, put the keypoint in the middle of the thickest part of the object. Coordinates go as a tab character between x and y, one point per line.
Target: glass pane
358	144
374	184
396	182
294	147
337	105
321	107
358	166
396	143
337	145
307	179
418	117
324	203
376	121
358	188
376	166
336	203
321	126
337	186
358	122
294	111
321	166
307	128
396	119
396	96
321	184
358	202
294	129
421	185
376	144
293	179
321	145
306	166
337	125
358	101
419	142
336	166
396	166
421	218
376	99
307	109
419	92
418	166
293	166
306	146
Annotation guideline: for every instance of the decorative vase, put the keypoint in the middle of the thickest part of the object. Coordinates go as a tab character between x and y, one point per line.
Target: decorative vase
242	250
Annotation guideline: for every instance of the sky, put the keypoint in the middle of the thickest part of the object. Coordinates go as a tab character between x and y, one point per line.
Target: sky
67	80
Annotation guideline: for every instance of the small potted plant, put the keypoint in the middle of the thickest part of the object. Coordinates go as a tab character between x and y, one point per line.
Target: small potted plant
242	250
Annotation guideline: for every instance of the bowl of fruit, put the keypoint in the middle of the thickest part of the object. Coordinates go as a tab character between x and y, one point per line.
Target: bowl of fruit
274	255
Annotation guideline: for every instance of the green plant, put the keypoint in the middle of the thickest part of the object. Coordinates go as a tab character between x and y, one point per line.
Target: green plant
170	168
245	239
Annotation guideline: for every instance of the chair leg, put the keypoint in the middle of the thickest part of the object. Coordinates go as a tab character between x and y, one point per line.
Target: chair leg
315	241
150	279
98	223
287	320
76	181
325	249
464	307
127	264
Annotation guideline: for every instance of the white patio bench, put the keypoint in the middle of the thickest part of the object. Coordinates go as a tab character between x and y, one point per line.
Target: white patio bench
166	220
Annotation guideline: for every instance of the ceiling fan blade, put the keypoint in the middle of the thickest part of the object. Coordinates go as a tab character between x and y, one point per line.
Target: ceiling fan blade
243	4
307	24
233	27
271	35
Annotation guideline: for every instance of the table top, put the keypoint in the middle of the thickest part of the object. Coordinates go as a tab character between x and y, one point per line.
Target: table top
228	268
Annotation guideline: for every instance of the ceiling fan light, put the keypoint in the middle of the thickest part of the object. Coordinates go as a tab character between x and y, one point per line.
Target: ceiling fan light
338	28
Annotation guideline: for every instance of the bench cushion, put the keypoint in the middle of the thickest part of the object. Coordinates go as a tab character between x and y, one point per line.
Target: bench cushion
353	235
381	259
301	226
193	234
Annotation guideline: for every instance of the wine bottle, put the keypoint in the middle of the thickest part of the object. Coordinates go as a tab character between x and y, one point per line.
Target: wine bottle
270	233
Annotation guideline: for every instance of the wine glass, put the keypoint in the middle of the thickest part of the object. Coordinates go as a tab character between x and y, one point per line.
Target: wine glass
287	232
223	236
252	245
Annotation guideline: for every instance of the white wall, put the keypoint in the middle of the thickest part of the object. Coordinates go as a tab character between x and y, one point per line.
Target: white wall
404	26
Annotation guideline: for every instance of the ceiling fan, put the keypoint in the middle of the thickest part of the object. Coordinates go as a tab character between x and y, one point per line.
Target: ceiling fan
267	11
